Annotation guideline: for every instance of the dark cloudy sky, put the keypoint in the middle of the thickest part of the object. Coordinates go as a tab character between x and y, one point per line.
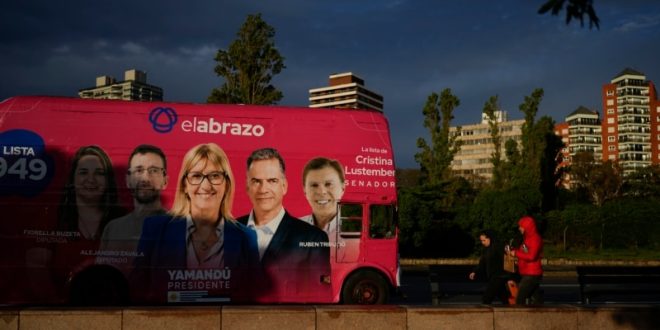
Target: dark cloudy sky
404	50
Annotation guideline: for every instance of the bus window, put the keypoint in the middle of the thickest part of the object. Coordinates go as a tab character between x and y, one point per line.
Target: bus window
351	220
382	221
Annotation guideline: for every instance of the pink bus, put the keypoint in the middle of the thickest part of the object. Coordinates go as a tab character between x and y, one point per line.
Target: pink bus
51	256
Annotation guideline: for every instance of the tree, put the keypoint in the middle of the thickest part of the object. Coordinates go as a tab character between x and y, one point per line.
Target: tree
427	220
249	65
407	178
530	142
630	222
600	181
427	211
644	182
534	166
523	187
500	210
416	215
550	158
533	142
576	9
511	166
581	226
436	158
496	157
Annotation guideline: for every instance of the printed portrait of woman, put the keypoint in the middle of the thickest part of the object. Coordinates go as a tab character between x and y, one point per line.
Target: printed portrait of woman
88	202
90	194
198	233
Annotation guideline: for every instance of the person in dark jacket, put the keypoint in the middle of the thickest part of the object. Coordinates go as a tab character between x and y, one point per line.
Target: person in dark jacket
491	268
529	256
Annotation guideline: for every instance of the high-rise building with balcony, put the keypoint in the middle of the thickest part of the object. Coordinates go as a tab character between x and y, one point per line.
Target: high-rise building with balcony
584	132
474	157
346	91
630	129
134	87
581	132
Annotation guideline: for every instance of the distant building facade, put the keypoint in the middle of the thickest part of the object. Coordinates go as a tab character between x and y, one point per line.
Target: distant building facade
581	132
631	121
629	131
345	91
474	157
134	87
584	132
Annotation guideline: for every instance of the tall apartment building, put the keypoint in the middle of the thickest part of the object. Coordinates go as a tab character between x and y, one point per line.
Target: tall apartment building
474	157
631	121
134	87
346	91
584	132
581	132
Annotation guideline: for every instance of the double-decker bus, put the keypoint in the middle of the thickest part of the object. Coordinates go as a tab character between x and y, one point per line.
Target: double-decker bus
48	258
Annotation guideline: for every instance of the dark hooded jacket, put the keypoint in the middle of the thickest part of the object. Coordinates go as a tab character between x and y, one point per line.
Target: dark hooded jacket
529	254
492	259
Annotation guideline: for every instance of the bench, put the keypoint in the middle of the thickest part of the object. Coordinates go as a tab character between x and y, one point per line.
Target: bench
448	280
617	280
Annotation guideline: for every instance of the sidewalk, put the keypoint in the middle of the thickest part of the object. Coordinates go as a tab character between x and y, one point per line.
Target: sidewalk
551	267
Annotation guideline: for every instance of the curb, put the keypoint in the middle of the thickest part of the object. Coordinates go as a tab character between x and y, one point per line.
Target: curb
546	262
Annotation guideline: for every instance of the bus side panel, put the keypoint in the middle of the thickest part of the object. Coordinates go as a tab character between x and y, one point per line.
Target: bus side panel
40	135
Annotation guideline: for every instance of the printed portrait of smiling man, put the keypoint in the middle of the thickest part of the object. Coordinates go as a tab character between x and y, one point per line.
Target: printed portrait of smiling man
146	178
294	255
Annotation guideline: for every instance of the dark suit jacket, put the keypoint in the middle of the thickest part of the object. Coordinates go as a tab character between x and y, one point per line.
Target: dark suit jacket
162	248
294	263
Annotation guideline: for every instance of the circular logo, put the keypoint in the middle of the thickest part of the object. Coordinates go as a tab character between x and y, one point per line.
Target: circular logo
163	119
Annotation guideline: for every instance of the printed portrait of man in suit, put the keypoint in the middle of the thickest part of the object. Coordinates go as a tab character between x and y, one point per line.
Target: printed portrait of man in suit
294	255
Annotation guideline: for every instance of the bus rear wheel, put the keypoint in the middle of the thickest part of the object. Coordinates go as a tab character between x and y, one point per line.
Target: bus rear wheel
365	288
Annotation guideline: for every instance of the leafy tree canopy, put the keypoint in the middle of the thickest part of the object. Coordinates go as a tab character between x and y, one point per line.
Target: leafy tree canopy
600	181
436	157
249	65
575	9
490	108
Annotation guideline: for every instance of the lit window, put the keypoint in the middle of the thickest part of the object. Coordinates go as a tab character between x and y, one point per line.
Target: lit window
610	129
610	102
610	120
611	157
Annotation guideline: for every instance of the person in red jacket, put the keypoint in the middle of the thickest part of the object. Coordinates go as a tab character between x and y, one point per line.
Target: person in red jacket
529	261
